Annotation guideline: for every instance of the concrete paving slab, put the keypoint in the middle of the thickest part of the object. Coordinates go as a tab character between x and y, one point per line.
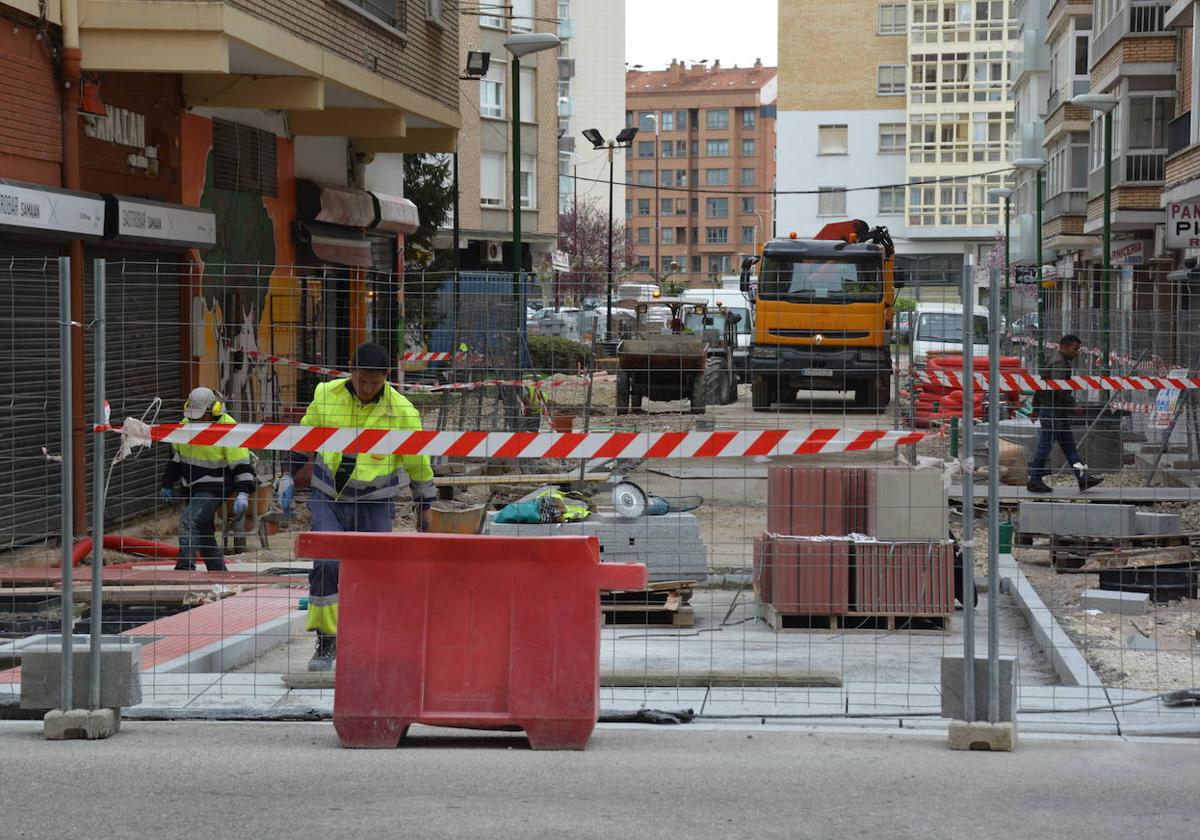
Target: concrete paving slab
1127	495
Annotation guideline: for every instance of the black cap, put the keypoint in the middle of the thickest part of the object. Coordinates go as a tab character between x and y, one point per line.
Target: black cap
371	356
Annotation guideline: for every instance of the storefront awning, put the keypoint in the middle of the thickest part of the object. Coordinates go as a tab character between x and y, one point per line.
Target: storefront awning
343	206
158	223
329	244
395	214
34	210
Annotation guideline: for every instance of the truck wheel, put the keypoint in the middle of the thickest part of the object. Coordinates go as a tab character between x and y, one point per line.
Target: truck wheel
700	392
623	393
762	394
873	395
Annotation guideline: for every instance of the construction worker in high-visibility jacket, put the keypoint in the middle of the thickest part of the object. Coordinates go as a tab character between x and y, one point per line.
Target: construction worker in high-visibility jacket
208	474
355	492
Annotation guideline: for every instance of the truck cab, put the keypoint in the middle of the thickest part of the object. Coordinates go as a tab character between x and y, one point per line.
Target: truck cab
823	315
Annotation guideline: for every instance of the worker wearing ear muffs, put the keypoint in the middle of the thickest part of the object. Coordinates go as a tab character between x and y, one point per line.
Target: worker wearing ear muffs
207	474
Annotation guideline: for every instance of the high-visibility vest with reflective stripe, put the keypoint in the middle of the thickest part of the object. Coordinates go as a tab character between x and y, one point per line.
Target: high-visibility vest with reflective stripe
573	509
210	466
374	477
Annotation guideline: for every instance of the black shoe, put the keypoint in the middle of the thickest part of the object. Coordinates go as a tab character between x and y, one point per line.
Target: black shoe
1088	482
326	652
1036	485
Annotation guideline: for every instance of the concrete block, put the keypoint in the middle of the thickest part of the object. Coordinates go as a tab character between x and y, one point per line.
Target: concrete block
1077	519
1150	522
1136	641
907	504
952	688
120	677
993	737
81	724
1124	603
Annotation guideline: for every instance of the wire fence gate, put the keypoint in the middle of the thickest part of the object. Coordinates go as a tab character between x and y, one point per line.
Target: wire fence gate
850	536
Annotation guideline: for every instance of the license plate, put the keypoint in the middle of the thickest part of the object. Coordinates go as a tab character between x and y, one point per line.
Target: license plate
817	372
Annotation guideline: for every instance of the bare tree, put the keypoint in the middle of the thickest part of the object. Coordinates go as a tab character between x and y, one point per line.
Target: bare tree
583	236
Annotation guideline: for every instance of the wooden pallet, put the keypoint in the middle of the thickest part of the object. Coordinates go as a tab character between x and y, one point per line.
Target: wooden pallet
1142	558
784	622
1068	553
662	604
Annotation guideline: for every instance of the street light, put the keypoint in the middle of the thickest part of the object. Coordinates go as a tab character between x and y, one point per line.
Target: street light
1037	166
624	141
1104	103
657	222
519	46
1006	194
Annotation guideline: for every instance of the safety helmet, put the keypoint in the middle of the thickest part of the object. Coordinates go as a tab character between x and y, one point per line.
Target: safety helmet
201	402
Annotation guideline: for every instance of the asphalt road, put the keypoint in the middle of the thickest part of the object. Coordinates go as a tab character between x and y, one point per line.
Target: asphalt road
265	781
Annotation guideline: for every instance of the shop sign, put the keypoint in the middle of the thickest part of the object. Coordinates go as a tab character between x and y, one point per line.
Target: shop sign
1183	224
30	208
166	224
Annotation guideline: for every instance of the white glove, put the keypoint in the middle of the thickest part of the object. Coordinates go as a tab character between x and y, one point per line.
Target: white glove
240	504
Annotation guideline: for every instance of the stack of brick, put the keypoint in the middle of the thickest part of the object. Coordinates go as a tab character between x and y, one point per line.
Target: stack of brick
670	545
855	541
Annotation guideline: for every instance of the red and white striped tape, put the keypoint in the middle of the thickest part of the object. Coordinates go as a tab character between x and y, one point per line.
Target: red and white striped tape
1032	382
1132	407
413	387
432	357
725	444
1122	359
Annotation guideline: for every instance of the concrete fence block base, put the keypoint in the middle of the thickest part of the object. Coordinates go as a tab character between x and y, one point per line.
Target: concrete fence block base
81	724
989	737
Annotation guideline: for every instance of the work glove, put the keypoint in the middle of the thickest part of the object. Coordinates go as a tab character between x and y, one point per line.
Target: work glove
240	503
285	489
167	494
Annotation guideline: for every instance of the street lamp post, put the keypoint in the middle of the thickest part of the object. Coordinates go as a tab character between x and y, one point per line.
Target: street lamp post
624	141
1006	194
1104	103
519	46
1037	166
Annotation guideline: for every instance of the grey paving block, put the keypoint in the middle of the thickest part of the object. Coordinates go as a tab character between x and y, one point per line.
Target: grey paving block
907	504
1151	522
120	677
81	724
1124	603
1077	519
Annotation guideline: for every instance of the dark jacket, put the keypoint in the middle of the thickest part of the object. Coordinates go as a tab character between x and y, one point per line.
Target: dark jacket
1057	366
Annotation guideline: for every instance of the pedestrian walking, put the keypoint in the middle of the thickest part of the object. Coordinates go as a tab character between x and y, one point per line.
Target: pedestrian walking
355	492
1055	411
208	474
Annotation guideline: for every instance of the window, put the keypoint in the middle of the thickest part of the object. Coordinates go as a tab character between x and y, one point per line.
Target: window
716	208
491	179
668	148
891	201
522	12
492	22
748	148
891	80
716	235
696	235
695	202
831	201
720	263
748	235
667	207
668	236
695	148
748	176
820	279
716	177
628	207
646	120
832	140
748	204
643	206
643	263
748	117
1148	118
643	236
645	148
629	119
891	138
529	181
668	121
681	122
717	148
681	148
695	264
892	18
491	92
389	12
528	95
716	118
433	10
665	262
645	178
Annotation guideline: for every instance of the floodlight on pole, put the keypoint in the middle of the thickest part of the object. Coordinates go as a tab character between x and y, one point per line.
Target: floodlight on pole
477	64
623	140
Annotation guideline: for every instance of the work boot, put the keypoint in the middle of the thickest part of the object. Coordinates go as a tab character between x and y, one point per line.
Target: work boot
1037	485
1087	482
326	652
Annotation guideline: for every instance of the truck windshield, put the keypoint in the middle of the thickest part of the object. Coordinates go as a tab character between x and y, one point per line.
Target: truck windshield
947	327
823	280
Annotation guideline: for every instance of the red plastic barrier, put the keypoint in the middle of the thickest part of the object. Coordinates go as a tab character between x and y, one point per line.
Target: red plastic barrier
482	632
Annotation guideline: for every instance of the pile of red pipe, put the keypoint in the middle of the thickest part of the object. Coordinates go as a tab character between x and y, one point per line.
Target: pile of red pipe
941	402
146	549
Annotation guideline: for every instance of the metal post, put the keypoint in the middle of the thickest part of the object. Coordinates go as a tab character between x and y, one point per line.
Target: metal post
608	311
1106	280
1007	253
968	477
1041	292
516	208
99	269
657	220
66	490
993	503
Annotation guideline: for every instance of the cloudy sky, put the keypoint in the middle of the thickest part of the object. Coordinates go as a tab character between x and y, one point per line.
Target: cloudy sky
732	32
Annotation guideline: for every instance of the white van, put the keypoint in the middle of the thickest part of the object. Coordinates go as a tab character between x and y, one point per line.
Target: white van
938	330
733	301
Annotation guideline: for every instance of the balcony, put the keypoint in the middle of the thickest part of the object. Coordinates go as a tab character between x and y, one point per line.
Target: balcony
566	69
1062	95
1072	203
1179	133
566	106
1136	18
1146	167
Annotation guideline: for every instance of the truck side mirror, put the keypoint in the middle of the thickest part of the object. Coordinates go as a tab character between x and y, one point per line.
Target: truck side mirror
747	264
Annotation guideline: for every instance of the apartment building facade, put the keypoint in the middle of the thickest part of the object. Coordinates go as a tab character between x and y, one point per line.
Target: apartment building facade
916	122
485	145
700	175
